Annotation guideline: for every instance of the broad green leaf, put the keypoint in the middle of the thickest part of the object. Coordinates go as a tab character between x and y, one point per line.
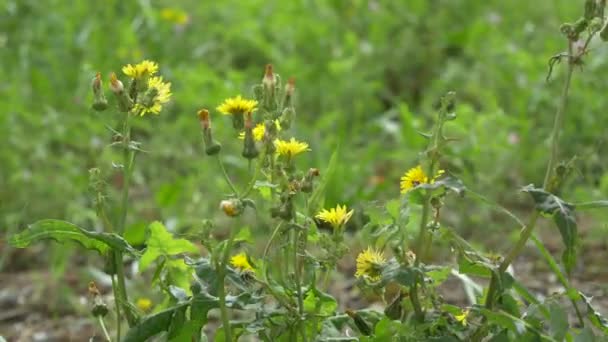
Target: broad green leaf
161	243
586	335
154	324
404	275
563	216
317	302
558	321
62	231
177	322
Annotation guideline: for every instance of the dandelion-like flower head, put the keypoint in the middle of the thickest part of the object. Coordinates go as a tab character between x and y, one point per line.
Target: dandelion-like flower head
290	148
370	264
337	216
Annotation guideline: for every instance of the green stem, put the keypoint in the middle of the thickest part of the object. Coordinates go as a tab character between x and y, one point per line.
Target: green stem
298	279
529	228
255	176
127	170
559	118
117	305
221	266
226	177
103	327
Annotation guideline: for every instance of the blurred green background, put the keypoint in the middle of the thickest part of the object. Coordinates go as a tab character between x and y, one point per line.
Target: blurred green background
367	76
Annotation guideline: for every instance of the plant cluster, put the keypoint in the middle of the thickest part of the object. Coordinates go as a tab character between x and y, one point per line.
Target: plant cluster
280	293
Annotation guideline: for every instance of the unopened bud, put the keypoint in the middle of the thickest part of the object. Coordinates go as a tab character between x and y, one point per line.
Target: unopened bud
250	151
290	88
231	207
99	307
99	103
212	147
124	102
269	80
590	9
307	182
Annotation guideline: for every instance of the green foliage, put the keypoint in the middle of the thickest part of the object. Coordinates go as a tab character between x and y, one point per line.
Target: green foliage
293	214
62	231
563	216
161	243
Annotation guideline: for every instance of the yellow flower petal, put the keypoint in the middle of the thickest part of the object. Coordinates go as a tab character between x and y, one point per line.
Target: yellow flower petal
337	216
241	263
370	264
290	148
237	105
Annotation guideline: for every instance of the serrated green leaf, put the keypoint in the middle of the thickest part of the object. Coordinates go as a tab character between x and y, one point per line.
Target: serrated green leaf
161	243
563	216
154	324
62	231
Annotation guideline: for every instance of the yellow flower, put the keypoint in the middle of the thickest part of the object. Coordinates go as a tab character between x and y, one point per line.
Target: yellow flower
158	93
370	264
259	130
241	263
174	15
237	105
416	176
144	304
337	216
290	148
142	70
462	318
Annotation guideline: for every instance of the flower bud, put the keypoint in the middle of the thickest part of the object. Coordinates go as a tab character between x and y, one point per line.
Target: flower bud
250	151
99	103
99	307
124	102
307	182
269	80
289	90
212	147
231	207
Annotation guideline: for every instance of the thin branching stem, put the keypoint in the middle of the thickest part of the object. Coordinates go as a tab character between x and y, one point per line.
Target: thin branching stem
529	228
103	328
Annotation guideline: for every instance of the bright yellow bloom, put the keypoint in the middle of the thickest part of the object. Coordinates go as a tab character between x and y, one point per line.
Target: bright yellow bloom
144	304
158	93
337	216
259	130
144	69
370	264
416	176
241	263
290	148
462	318
237	105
